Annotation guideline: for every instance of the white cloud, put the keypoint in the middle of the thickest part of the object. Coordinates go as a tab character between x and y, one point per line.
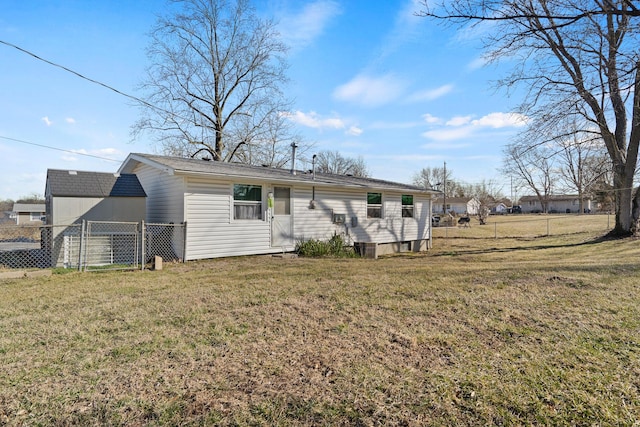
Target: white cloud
501	120
371	91
354	131
105	153
405	28
46	121
461	127
449	134
314	120
431	94
458	121
395	125
477	63
70	120
442	145
302	28
431	119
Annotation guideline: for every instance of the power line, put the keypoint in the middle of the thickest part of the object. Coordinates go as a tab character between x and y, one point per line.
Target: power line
59	149
119	92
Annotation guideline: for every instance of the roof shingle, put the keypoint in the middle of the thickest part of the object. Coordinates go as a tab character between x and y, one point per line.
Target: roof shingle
65	183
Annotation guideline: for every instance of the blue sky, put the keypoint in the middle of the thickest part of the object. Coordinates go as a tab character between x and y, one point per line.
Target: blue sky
368	79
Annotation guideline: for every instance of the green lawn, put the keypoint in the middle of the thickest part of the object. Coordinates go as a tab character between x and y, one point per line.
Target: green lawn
478	331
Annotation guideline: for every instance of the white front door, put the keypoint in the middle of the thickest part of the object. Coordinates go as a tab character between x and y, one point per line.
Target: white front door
281	223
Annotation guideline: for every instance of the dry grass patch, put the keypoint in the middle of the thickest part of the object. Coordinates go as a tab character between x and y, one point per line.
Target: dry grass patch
475	332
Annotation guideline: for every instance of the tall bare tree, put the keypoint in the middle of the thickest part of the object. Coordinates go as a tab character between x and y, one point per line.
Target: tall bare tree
434	178
487	193
582	164
214	80
575	57
336	163
531	168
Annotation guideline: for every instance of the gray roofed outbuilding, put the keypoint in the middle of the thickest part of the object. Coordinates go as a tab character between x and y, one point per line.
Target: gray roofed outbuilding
66	183
28	207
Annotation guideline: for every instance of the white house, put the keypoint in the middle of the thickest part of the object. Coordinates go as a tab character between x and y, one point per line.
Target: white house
457	205
556	204
233	209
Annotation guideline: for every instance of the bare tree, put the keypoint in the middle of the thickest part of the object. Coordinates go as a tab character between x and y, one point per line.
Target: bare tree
576	57
336	163
214	83
582	163
434	178
531	168
486	193
268	143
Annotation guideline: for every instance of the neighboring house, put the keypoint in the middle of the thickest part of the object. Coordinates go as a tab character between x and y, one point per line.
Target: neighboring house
74	196
500	208
232	209
28	213
457	205
556	204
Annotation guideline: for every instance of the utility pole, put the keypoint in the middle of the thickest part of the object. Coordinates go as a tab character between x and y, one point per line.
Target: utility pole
444	193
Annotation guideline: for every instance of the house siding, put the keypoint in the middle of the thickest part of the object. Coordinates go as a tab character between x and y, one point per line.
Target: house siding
164	194
211	230
318	223
205	203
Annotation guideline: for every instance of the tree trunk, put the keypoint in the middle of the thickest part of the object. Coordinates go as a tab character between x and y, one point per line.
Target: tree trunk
623	187
635	213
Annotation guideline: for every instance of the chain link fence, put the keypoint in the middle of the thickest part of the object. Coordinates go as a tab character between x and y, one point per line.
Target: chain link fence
523	226
91	245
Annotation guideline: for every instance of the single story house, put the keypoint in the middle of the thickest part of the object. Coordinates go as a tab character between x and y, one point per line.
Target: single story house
555	204
236	209
28	213
75	196
500	208
457	205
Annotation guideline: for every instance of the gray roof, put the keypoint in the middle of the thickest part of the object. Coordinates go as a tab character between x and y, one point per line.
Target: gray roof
66	183
222	169
29	207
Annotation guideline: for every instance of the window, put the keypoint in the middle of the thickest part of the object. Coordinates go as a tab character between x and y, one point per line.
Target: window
407	206
35	216
247	201
282	201
374	205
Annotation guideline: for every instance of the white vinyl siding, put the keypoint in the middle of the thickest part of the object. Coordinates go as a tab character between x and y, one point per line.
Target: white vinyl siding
317	223
211	231
165	194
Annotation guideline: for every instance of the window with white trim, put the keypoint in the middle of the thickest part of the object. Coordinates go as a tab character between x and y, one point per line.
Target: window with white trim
407	206
247	201
374	205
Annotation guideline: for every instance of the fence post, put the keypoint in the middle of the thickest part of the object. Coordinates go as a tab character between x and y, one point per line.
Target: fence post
548	234
81	245
143	244
184	241
495	230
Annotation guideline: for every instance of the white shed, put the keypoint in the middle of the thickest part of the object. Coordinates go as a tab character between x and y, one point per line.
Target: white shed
233	209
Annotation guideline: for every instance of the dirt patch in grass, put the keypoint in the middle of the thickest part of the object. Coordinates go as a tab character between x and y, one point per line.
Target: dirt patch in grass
544	334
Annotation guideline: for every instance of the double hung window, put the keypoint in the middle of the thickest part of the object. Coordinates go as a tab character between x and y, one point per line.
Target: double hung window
407	206
374	205
247	201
